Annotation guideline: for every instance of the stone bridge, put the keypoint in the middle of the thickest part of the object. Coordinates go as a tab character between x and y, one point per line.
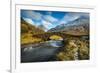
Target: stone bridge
46	35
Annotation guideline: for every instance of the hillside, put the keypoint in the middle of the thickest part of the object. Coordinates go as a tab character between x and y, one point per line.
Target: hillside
27	32
29	28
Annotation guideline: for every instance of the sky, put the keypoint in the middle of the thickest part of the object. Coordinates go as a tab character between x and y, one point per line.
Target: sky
50	19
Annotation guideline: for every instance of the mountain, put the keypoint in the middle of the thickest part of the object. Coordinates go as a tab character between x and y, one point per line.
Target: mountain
29	28
76	27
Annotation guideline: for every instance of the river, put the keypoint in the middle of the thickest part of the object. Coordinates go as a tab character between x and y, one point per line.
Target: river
41	52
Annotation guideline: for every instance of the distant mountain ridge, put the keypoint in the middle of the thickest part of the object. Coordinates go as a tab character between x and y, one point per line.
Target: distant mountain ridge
78	26
80	21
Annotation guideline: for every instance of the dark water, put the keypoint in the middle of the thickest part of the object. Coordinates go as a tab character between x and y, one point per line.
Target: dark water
41	52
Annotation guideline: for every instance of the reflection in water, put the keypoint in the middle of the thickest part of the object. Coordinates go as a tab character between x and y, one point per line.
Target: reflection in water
41	52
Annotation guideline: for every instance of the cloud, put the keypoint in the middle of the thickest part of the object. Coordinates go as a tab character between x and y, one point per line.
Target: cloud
36	18
83	14
32	14
47	20
36	15
29	20
72	16
69	17
46	24
50	18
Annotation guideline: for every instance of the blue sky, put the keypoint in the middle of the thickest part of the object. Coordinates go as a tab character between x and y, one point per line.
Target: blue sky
50	19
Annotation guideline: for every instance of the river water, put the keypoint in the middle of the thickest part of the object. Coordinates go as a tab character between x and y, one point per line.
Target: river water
41	52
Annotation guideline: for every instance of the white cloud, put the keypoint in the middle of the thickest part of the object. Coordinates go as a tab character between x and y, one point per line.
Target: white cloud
37	15
33	15
73	16
62	22
46	24
69	17
50	18
29	20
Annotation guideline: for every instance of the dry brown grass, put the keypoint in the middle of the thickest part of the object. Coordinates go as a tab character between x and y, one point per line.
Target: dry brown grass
28	39
75	49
